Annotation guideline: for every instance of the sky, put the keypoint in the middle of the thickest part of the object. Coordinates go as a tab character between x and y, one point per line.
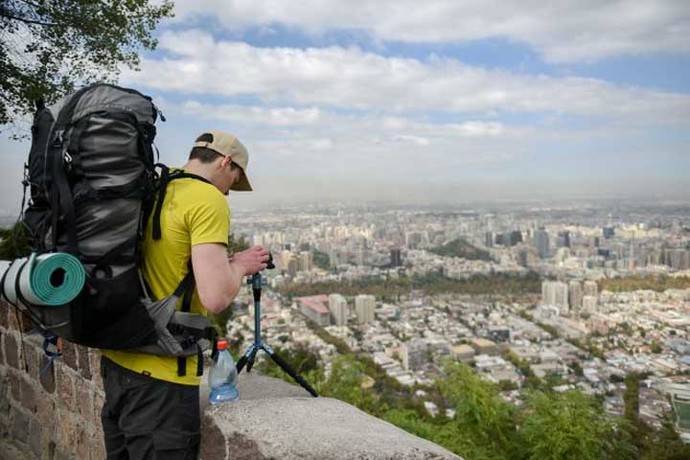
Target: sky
414	102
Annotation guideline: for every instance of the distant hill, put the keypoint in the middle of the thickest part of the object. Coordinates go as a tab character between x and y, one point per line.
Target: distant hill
461	248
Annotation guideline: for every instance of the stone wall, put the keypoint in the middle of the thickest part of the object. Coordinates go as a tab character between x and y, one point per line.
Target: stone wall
52	411
48	410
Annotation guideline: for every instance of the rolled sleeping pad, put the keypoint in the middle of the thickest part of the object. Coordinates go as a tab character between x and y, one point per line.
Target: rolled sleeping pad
46	280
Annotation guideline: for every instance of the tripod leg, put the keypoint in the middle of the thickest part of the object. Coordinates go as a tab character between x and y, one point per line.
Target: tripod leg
288	370
245	357
250	359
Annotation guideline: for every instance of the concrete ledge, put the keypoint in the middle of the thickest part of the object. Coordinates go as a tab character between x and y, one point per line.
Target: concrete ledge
270	421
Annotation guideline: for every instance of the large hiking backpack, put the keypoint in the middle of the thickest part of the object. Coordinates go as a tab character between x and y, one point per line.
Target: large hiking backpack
93	184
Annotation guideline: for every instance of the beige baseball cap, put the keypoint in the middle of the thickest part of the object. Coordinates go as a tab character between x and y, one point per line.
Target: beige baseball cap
228	145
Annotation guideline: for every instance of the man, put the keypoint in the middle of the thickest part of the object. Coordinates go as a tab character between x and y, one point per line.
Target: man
150	411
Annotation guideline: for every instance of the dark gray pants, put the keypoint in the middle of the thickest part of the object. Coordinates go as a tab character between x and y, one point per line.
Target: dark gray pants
148	419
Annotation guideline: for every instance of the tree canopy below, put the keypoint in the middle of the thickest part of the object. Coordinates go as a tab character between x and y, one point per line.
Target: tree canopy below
49	47
461	248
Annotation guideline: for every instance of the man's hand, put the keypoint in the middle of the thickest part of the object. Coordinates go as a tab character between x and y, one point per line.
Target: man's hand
251	260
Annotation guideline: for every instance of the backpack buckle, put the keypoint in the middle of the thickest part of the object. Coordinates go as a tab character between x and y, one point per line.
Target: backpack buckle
58	139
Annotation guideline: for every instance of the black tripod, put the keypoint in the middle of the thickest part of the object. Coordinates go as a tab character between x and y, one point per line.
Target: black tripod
257	282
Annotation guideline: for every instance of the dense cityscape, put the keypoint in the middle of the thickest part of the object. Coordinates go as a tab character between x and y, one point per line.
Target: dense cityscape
574	297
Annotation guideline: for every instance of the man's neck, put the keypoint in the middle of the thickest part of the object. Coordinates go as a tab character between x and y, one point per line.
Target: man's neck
201	170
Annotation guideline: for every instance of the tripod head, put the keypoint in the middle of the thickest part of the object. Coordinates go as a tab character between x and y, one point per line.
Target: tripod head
256	281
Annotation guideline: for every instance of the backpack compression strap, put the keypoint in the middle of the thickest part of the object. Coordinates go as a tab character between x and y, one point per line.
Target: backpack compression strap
186	289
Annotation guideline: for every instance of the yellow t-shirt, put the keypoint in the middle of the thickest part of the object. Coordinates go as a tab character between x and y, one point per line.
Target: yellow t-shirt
193	212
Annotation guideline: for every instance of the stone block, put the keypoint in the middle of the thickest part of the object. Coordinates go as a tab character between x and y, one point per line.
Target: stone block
313	428
83	442
65	386
4	314
11	345
25	323
97	406
84	362
2	347
36	438
47	374
12	319
32	358
15	385
45	412
4	403
69	354
84	399
65	431
20	425
29	396
95	360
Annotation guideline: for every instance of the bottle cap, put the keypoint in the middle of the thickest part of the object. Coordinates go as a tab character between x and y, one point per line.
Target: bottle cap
222	344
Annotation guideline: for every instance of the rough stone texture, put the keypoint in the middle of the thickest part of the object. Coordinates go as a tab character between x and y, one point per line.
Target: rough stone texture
69	355
20	425
84	401
273	424
15	385
28	398
11	350
214	444
2	347
47	375
65	386
36	438
32	360
84	363
4	315
95	365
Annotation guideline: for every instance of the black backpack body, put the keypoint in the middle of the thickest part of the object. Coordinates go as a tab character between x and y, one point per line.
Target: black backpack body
93	184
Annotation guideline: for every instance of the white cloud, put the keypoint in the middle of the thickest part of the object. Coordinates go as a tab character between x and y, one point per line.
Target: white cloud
562	31
195	63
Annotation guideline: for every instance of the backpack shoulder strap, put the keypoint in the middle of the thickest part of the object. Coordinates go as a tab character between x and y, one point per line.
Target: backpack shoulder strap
165	178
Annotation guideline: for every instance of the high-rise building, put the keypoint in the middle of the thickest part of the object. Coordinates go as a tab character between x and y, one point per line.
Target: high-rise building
292	266
414	354
489	239
541	242
396	257
608	232
575	294
305	261
337	305
364	308
591	288
589	304
564	239
555	293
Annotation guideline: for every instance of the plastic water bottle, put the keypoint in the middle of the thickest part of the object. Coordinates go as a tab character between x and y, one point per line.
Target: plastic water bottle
223	376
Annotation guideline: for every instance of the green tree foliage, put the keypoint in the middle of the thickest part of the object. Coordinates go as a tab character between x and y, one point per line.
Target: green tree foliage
484	418
14	242
431	284
322	260
662	444
558	426
48	47
657	283
461	248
